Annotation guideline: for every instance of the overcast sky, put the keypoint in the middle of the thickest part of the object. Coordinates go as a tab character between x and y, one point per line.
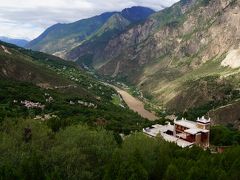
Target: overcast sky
28	18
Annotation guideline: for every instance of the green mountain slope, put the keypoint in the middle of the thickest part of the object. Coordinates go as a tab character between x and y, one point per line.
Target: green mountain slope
20	66
65	36
58	92
90	52
95	44
64	129
185	58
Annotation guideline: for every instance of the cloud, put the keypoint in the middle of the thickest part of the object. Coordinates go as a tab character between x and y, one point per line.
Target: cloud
29	18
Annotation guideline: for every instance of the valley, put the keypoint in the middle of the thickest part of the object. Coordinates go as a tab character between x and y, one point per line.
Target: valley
135	104
78	95
137	93
177	57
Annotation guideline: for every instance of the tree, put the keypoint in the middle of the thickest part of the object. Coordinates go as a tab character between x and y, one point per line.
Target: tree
172	173
82	153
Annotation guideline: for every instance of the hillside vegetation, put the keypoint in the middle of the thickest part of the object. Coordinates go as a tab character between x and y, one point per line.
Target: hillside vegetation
31	150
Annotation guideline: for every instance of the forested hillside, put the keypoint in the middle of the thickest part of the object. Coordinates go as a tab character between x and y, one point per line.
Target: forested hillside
31	150
44	87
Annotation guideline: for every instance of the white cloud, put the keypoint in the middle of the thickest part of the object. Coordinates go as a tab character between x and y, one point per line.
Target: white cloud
29	18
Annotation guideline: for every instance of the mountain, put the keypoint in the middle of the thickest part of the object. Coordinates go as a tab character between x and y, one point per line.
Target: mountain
186	58
61	38
90	50
18	42
59	121
95	44
136	13
183	58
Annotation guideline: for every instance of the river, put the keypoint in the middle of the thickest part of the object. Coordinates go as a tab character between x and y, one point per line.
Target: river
135	104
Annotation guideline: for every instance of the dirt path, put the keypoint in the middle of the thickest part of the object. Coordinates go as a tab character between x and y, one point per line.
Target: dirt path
135	104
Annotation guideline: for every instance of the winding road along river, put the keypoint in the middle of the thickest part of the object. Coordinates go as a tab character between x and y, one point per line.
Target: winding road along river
135	104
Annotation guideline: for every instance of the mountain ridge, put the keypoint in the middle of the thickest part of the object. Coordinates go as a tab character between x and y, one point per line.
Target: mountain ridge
60	38
58	34
16	41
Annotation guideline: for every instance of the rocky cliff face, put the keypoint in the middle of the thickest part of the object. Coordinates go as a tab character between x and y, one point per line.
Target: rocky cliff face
226	115
205	31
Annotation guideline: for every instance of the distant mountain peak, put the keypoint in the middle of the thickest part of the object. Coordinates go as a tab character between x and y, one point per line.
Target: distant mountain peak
18	42
137	13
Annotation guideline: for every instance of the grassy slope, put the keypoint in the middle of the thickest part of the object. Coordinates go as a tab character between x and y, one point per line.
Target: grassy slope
19	66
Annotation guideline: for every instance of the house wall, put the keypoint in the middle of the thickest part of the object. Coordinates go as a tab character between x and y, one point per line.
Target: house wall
180	129
202	139
203	126
190	138
198	140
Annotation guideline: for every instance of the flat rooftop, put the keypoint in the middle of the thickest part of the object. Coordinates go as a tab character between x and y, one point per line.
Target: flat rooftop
192	126
194	131
186	123
156	129
180	142
160	129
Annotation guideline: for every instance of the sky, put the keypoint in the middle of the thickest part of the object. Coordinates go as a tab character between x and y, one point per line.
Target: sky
27	19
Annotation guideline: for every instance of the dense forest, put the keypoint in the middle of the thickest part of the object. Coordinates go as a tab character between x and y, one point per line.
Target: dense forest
31	150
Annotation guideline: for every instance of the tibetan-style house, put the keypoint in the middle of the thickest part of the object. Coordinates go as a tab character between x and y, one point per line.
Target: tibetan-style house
183	132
